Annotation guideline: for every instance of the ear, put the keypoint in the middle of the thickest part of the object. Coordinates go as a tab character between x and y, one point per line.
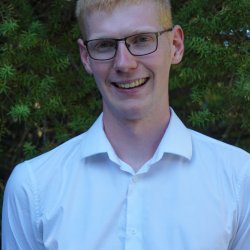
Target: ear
84	56
177	44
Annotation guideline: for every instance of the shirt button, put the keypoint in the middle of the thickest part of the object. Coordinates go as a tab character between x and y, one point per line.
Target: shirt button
135	179
132	232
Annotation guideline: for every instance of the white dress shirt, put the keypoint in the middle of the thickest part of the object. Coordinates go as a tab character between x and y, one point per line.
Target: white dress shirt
194	194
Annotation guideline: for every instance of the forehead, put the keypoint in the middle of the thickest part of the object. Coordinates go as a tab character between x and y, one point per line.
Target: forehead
123	20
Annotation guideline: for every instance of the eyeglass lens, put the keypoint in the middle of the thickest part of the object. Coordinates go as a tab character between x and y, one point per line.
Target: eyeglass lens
138	45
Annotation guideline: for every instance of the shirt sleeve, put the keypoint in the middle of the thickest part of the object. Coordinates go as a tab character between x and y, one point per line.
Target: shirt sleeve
242	237
19	212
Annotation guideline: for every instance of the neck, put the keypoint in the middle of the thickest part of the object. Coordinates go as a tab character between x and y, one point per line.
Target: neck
135	141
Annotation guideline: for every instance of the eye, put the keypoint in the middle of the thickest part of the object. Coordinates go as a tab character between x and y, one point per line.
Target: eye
103	45
142	39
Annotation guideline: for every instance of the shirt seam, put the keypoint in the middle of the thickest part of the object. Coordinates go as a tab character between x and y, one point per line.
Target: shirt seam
37	210
243	177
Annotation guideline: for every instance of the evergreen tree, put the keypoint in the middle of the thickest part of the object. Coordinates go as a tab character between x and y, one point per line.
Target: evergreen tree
46	97
211	88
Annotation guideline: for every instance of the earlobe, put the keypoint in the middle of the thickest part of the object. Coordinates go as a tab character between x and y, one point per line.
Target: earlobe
178	45
84	56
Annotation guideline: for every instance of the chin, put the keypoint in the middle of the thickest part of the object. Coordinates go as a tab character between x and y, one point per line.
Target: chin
134	114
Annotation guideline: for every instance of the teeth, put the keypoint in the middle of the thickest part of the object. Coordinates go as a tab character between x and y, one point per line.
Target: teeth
128	85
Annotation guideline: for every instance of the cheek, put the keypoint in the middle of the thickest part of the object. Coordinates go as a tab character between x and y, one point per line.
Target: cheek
161	65
100	70
162	57
161	68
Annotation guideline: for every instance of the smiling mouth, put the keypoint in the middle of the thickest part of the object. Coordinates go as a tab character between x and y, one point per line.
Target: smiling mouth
131	85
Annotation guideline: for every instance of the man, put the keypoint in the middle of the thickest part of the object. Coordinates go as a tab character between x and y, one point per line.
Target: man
138	179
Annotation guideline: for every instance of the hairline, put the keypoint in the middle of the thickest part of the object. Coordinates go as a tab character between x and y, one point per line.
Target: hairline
109	5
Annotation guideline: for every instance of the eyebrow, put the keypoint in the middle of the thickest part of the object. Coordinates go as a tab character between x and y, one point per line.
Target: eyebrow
140	30
135	32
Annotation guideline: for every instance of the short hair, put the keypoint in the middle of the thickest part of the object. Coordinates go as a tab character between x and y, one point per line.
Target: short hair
87	6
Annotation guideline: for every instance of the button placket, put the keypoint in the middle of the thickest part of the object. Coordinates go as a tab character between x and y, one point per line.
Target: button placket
133	235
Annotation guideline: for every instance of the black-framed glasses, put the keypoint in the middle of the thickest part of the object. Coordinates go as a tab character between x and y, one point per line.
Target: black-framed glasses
138	45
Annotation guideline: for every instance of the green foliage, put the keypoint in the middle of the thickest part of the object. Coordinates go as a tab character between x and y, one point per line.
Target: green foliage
29	149
8	27
20	112
210	89
45	95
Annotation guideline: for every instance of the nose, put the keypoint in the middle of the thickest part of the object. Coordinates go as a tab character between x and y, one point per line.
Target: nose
124	60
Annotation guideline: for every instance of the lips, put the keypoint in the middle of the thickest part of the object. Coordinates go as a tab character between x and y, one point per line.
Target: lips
131	84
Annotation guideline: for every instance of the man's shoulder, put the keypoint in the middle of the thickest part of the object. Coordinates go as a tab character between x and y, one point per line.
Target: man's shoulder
219	151
45	169
51	159
208	140
225	165
64	157
67	148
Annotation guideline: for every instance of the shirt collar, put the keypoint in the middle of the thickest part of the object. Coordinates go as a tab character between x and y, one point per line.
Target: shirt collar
176	140
95	140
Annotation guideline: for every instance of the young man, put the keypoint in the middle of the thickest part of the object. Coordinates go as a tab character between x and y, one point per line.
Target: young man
138	179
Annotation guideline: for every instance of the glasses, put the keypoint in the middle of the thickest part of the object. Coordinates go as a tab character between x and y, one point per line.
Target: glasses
138	45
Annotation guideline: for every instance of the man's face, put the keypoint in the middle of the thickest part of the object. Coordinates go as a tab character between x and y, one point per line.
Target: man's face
117	78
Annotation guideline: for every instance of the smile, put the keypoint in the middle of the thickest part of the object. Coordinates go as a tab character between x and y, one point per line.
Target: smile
130	85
